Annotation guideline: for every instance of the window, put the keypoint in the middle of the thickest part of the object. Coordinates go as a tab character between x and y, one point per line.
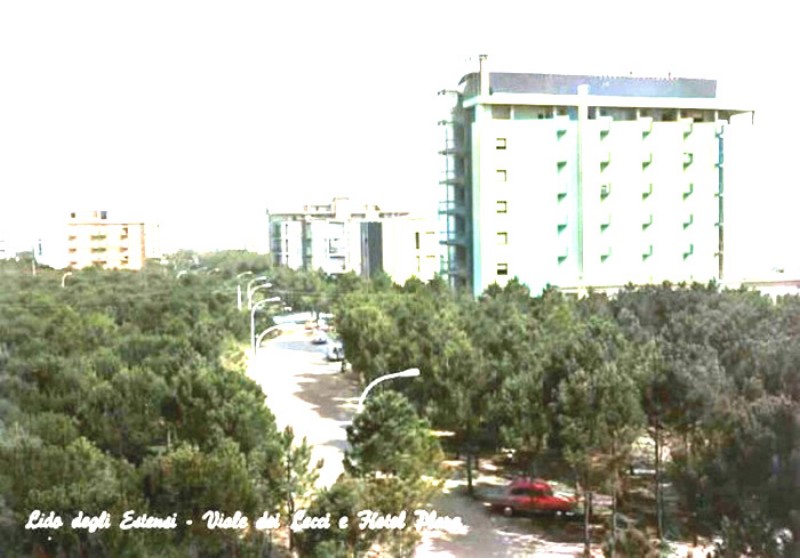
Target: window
73	250
72	215
502	238
501	112
419	267
416	239
103	214
501	143
502	269
502	206
502	175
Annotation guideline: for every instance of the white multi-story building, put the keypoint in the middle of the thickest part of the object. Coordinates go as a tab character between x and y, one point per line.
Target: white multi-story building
584	181
343	236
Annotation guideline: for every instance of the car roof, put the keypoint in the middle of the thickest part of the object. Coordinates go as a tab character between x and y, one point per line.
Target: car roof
527	481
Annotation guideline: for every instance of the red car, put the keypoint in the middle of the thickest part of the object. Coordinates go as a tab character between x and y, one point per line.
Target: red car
526	495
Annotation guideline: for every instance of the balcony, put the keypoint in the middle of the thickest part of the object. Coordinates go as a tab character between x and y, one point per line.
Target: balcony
454	238
451	207
451	148
454	269
450	177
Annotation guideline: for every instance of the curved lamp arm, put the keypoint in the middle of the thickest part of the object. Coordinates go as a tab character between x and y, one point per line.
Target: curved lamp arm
410	373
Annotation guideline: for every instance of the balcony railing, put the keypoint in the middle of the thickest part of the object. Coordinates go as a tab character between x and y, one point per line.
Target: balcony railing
450	207
453	237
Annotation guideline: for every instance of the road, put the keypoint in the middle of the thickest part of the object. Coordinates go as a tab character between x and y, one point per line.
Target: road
310	394
313	396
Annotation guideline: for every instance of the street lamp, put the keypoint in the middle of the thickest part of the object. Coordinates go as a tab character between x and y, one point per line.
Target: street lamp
64	279
239	289
253	292
253	311
263	334
250	286
410	373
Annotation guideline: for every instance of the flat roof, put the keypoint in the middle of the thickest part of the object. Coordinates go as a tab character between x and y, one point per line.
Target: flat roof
615	86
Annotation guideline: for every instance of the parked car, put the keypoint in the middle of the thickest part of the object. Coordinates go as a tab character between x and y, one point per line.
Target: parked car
319	338
335	351
526	495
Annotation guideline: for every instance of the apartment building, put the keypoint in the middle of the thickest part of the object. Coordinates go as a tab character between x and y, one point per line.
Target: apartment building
344	236
94	239
582	181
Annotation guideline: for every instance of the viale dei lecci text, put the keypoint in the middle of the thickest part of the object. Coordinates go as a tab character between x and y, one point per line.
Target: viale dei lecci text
365	520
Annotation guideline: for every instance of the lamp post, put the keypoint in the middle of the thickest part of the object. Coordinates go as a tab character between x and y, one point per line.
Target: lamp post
239	289
253	311
264	334
410	373
250	286
64	279
253	292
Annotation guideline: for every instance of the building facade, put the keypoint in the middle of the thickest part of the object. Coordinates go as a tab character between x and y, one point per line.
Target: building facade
93	239
343	236
583	181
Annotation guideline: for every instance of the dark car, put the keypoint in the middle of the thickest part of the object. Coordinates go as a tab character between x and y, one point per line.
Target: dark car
526	495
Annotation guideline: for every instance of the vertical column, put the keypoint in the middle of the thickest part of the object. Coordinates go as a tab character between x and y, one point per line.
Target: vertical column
583	114
720	197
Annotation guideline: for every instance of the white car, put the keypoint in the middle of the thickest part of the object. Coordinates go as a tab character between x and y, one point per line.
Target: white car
335	352
320	338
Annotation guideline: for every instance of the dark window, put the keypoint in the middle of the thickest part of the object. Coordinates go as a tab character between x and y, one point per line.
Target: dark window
501	112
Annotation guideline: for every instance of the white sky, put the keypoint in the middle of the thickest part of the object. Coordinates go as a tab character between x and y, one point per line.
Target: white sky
202	114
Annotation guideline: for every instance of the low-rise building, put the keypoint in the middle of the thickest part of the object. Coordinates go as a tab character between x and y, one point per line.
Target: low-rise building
344	236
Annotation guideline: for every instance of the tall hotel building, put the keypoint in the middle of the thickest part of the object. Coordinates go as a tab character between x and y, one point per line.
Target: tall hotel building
584	181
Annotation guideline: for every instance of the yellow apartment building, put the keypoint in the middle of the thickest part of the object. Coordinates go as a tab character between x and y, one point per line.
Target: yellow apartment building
94	239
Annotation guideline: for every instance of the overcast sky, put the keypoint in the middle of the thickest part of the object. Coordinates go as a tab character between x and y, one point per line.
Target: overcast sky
203	114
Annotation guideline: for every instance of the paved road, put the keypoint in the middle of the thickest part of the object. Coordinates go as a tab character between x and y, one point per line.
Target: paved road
310	394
